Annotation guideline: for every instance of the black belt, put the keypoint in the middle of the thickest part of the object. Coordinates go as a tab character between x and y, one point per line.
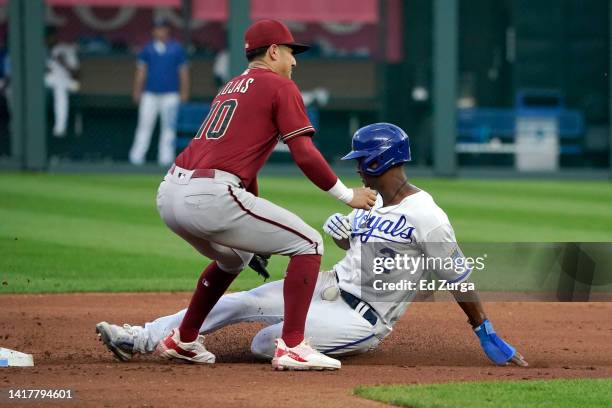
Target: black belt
353	301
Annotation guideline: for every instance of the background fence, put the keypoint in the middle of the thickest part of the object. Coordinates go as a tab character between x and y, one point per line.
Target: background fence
515	85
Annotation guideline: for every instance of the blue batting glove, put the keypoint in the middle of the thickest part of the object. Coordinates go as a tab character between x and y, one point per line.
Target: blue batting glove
494	347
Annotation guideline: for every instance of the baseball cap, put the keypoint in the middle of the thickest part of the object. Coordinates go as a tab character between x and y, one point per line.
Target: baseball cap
264	33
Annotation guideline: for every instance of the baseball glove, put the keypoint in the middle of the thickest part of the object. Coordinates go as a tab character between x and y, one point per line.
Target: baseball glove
259	264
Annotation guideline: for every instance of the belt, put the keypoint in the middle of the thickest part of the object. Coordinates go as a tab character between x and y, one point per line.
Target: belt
205	173
354	302
197	173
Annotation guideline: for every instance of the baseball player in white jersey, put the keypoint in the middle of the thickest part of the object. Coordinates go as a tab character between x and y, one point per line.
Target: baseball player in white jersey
61	71
341	320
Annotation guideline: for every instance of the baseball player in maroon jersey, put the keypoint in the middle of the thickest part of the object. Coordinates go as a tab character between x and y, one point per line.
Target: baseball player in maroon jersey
209	197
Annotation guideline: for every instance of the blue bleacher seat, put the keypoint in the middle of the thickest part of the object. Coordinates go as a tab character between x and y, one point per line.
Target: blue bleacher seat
190	117
479	125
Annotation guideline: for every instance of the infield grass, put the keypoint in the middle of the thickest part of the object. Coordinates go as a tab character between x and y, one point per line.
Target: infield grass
582	393
71	233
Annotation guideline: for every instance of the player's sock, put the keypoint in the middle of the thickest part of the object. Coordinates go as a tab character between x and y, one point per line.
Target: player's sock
212	284
302	273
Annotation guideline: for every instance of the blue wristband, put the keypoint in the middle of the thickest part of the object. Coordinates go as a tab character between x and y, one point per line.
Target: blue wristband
494	347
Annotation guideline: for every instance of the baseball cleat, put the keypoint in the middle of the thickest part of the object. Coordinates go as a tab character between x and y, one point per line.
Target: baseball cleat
119	340
172	348
301	357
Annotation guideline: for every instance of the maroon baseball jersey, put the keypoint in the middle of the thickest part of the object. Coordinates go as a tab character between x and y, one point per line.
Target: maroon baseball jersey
247	118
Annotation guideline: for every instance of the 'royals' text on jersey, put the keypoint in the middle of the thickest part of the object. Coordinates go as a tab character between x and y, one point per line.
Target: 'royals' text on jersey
418	226
246	119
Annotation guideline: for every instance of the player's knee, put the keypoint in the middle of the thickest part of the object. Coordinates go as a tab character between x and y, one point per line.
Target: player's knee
263	345
233	268
235	264
312	246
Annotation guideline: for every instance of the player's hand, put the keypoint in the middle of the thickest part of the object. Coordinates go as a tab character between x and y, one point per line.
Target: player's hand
337	226
363	198
498	351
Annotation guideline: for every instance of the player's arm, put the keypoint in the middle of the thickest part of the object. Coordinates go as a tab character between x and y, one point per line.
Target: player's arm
499	351
440	243
469	302
139	80
296	130
313	165
141	75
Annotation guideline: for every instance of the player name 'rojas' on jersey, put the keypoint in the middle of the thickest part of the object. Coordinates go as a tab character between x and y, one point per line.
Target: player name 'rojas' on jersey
241	86
243	125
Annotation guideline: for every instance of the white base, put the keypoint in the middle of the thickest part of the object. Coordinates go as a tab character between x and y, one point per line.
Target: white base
12	358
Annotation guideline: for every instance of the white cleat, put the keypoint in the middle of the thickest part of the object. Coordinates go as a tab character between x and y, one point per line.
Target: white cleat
301	357
119	340
172	348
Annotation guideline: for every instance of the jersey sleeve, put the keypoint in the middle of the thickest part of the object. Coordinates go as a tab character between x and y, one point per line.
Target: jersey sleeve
290	114
310	160
444	255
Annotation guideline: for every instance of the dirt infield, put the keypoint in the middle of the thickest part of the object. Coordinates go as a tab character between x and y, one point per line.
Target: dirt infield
432	343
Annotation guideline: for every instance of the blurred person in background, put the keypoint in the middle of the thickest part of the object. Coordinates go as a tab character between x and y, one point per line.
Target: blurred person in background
161	83
61	78
221	68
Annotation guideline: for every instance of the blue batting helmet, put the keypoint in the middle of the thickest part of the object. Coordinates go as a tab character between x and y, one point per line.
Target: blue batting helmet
380	146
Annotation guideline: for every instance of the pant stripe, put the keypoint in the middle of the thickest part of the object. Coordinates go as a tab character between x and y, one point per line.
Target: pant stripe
316	244
331	350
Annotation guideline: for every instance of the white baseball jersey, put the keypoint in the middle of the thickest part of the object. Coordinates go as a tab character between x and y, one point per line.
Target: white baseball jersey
418	226
59	75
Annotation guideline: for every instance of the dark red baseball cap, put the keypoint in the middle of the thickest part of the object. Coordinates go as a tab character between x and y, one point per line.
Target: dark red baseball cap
264	33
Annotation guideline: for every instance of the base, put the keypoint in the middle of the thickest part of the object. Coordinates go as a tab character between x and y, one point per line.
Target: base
12	358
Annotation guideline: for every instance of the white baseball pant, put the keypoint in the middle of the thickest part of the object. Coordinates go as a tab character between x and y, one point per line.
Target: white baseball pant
226	223
61	103
335	328
151	105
